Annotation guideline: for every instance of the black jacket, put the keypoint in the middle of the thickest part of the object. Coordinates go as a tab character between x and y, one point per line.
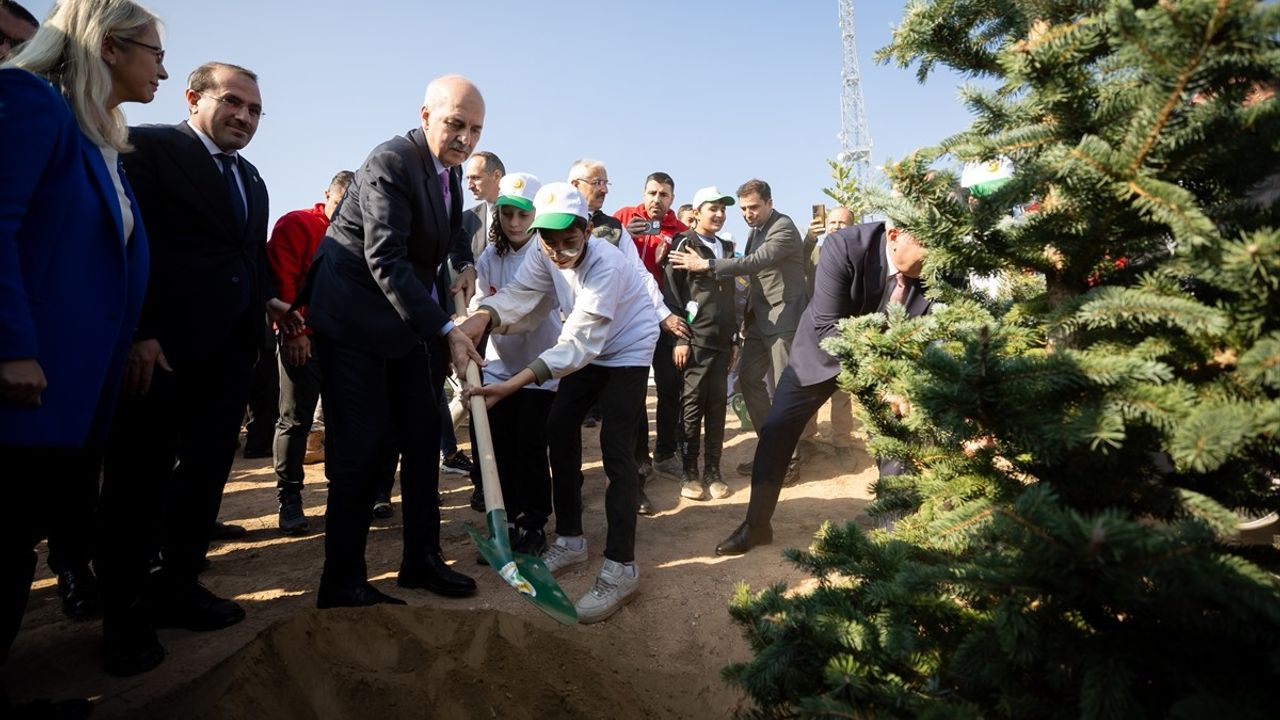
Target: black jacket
715	323
209	280
371	282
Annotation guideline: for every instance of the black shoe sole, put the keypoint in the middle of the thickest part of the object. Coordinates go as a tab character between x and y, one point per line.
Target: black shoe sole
134	664
443	592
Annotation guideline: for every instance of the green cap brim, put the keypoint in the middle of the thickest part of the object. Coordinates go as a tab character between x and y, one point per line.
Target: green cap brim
553	221
515	201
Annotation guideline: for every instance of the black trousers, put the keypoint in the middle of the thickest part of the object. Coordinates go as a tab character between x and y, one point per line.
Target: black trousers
793	405
518	426
667	383
264	398
35	480
72	527
620	392
167	460
372	407
299	394
705	395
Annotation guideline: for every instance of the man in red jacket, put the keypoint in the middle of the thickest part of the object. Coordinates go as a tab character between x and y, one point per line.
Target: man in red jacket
652	224
293	244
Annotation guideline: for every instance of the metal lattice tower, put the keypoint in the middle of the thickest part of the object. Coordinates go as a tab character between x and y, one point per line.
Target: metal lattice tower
855	139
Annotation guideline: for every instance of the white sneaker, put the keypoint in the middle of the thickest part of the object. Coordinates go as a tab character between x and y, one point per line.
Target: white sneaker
615	586
559	555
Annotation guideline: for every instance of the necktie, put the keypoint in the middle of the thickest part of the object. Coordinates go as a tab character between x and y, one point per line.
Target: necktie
444	189
899	295
229	176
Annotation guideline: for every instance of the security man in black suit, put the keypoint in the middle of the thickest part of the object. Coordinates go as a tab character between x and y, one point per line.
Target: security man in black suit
384	340
187	380
863	269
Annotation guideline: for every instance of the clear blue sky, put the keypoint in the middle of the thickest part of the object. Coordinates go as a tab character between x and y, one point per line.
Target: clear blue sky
713	92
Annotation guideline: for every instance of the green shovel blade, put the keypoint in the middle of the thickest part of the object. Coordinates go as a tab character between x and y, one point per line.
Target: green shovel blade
526	573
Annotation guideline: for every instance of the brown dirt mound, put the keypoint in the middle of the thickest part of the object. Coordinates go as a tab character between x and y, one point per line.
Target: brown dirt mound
399	662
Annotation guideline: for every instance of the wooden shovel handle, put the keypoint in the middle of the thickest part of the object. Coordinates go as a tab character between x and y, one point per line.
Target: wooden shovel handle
480	425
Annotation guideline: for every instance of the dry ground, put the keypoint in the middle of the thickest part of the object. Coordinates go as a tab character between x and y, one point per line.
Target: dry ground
491	655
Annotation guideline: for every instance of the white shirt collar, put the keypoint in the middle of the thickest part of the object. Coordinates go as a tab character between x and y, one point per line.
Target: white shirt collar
209	144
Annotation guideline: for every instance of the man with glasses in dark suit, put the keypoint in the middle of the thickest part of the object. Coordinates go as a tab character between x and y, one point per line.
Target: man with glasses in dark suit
188	374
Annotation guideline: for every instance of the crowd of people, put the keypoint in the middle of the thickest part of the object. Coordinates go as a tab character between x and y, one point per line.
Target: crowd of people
144	306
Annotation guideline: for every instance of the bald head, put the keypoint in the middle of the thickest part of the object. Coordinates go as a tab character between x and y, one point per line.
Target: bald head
452	118
839	218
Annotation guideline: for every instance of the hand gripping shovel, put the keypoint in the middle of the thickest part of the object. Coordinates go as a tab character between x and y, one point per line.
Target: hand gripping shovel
526	573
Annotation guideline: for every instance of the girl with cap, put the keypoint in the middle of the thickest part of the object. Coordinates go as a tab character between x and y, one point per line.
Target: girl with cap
518	423
601	355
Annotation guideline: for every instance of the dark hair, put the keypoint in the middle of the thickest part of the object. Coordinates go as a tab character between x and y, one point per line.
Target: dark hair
201	79
663	178
342	180
19	12
491	162
755	187
682	208
501	243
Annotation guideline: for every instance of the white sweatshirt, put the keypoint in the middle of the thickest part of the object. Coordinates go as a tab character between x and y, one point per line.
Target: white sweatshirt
610	316
510	352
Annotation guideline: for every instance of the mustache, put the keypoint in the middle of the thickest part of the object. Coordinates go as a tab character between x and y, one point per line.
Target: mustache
457	146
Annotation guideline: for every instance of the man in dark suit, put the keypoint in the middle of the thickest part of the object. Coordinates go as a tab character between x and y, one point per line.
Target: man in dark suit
384	339
188	374
862	269
774	262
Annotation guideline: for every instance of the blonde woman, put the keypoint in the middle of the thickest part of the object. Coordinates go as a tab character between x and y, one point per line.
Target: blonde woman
73	271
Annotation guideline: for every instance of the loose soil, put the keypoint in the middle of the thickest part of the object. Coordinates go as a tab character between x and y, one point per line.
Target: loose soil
488	656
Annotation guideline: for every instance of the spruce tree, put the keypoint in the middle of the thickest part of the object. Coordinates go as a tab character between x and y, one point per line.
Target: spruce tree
1064	544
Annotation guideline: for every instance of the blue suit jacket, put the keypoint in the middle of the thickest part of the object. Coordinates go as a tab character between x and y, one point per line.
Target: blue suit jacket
71	289
851	280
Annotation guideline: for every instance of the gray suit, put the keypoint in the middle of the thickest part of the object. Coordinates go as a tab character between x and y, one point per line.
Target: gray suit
774	263
474	226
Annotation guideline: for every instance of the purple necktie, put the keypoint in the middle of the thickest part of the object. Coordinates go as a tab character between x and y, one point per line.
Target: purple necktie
899	295
444	188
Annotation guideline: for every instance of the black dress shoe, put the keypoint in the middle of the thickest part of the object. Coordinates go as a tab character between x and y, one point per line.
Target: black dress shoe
224	531
645	506
745	538
129	645
477	500
436	576
194	608
78	589
358	596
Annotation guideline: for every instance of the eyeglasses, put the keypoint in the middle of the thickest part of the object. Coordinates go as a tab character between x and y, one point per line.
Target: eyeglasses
596	182
236	104
568	253
157	50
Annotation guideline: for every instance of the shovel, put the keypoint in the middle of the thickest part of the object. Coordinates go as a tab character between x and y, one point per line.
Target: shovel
526	573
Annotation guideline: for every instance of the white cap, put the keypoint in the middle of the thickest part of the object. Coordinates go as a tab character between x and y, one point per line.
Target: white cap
710	195
557	205
518	189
